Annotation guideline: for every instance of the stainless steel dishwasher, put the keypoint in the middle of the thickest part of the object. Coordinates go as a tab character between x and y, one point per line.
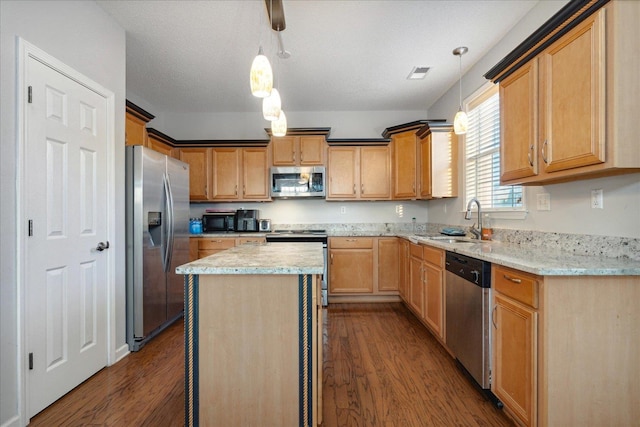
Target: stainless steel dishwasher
468	314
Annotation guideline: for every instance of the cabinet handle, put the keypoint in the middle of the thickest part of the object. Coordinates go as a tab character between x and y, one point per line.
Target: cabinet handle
236	190
530	155
361	188
544	151
244	190
351	240
301	156
513	279
331	259
493	317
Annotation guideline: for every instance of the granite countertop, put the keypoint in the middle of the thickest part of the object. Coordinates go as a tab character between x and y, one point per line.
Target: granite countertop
278	258
231	234
540	261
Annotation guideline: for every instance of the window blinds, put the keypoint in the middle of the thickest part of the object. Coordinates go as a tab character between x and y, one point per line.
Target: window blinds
482	154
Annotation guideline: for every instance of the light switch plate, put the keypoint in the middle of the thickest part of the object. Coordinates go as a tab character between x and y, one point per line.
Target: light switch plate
544	202
597	199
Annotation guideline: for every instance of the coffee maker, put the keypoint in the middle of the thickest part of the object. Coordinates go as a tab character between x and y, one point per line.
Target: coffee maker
246	220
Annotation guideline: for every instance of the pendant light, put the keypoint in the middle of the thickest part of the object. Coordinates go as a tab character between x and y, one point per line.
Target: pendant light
261	75
272	105
279	126
460	121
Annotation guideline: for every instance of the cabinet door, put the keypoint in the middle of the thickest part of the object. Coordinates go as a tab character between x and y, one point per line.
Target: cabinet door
312	150
375	181
342	173
135	130
404	270
404	165
433	298
193	249
519	124
425	167
388	264
573	122
199	160
283	150
416	293
255	174
226	173
514	358
160	147
350	271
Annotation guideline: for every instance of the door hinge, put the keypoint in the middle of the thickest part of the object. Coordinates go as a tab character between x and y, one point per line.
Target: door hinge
30	94
30	227
30	361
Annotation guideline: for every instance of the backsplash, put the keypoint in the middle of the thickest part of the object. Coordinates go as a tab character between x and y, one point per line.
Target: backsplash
576	244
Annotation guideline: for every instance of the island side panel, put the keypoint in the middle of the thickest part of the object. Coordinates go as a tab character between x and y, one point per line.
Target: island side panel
190	349
248	330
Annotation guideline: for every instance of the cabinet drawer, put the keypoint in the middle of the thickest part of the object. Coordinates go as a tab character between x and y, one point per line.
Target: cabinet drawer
351	242
416	250
433	255
251	240
516	284
216	243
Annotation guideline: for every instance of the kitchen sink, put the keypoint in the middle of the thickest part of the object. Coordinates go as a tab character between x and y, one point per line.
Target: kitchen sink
450	239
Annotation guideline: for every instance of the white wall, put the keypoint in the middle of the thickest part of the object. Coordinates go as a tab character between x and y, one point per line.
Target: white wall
83	36
570	203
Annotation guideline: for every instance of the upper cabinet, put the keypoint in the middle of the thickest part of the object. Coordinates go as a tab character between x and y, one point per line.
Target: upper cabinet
199	160
301	147
136	120
358	172
438	165
161	143
568	101
404	159
240	174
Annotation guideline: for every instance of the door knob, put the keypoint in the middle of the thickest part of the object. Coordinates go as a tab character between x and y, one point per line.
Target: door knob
102	246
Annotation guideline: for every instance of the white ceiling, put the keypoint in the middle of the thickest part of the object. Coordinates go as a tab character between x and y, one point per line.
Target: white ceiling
195	56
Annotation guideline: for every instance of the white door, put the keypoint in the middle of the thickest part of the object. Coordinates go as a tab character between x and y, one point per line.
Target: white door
65	200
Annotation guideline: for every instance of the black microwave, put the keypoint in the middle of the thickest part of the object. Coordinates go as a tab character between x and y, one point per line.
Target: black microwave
218	221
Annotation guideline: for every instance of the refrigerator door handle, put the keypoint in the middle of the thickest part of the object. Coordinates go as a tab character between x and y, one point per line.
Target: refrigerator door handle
170	225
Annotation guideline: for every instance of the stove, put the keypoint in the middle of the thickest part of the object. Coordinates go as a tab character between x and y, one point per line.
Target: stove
320	236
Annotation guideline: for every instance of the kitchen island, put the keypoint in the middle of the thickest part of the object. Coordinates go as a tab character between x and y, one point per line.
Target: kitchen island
253	352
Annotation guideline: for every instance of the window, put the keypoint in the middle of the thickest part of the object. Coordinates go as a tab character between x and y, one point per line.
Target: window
482	155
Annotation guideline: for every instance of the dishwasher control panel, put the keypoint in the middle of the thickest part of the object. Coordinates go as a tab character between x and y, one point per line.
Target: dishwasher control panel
474	270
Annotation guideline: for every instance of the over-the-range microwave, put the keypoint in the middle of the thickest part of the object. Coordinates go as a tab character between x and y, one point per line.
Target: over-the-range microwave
298	181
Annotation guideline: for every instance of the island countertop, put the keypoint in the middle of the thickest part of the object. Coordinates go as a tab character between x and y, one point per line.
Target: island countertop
265	258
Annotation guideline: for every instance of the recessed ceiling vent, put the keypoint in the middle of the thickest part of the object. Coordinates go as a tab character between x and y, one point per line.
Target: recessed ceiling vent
418	73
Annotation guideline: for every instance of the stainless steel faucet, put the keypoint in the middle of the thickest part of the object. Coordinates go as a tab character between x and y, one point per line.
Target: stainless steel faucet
477	232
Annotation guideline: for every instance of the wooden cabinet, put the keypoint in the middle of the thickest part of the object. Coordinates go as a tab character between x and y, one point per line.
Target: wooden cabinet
404	272
515	342
212	245
568	114
433	277
200	247
416	288
240	174
136	120
364	267
438	165
358	173
161	143
388	264
200	167
350	265
405	160
298	150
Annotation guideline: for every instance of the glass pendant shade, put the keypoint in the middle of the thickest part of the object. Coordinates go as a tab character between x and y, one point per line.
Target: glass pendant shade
261	76
272	106
460	123
279	127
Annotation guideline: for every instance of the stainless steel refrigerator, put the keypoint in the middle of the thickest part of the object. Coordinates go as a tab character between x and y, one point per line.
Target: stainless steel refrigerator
157	230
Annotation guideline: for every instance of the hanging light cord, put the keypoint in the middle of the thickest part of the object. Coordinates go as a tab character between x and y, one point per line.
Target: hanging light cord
460	81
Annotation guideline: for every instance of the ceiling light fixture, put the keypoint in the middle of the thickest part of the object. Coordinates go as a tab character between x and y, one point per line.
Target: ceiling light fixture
279	127
261	75
460	121
272	105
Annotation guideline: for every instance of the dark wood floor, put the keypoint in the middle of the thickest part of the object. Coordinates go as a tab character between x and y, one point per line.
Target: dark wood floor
381	368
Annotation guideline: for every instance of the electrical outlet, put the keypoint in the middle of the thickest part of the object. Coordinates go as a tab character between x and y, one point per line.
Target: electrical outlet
597	199
544	202
343	210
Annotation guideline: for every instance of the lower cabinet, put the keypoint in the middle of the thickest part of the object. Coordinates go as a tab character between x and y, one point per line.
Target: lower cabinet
404	273
416	288
201	247
363	267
